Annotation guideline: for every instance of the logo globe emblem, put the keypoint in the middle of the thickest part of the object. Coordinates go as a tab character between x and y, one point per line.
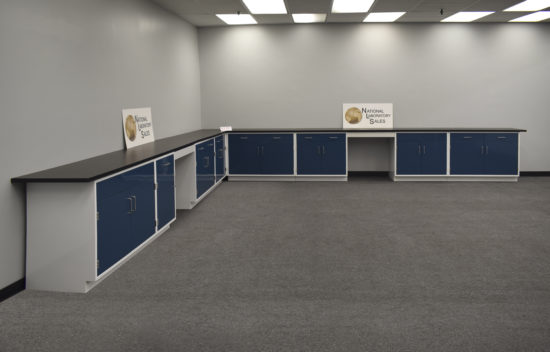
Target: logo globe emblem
353	115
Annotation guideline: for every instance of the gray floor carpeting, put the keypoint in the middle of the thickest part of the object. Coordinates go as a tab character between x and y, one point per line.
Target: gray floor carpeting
367	265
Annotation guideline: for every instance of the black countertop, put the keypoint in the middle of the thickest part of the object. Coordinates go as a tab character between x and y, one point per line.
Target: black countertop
103	165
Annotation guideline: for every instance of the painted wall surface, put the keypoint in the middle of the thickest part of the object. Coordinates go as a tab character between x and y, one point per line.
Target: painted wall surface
67	69
436	75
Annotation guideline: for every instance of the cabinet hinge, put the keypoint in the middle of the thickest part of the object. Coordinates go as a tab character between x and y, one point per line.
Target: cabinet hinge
156	223
156	186
97	216
97	264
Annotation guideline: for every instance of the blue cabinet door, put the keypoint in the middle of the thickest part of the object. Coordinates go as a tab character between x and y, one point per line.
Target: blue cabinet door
309	154
434	153
220	157
205	166
277	154
501	153
467	153
114	227
244	154
409	154
126	209
421	154
333	152
166	207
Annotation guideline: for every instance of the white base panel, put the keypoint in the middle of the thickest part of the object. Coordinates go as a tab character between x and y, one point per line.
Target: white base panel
185	182
291	178
457	178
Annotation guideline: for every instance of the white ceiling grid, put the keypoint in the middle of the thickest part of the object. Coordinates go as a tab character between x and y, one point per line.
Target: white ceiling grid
203	12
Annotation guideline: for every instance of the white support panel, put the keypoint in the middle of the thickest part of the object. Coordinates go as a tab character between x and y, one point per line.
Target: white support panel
61	236
295	152
262	178
461	178
321	178
183	152
186	180
370	134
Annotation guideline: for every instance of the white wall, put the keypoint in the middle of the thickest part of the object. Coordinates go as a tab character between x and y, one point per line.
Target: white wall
67	68
436	75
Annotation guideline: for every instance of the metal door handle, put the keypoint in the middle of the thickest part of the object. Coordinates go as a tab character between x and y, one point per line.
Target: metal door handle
419	150
486	150
501	137
135	203
318	150
258	150
243	137
467	137
131	206
262	150
424	147
207	159
200	148
308	137
276	137
482	149
165	164
324	150
333	137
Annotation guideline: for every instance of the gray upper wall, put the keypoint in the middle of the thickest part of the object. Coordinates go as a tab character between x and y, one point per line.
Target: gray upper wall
436	75
67	68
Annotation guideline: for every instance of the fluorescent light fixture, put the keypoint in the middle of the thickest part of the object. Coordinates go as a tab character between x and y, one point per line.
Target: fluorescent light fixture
237	19
530	5
467	16
308	17
383	16
263	7
351	6
533	17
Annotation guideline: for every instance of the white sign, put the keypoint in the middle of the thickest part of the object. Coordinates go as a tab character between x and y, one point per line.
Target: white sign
138	126
367	116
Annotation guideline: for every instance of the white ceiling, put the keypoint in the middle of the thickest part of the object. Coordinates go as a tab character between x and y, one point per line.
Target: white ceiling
202	13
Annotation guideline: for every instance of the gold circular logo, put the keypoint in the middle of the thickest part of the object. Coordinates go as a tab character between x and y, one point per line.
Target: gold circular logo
353	115
130	126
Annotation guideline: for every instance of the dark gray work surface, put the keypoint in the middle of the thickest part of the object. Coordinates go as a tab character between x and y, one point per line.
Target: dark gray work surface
103	165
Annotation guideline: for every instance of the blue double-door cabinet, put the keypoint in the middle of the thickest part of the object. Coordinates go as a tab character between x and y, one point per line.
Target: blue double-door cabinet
484	153
126	214
421	153
126	209
261	154
321	154
210	158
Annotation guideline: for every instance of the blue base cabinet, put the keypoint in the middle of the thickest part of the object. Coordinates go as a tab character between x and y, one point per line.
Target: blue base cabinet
166	204
421	153
261	154
321	153
484	153
126	214
204	153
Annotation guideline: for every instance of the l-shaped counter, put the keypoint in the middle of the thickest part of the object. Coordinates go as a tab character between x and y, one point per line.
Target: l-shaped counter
87	218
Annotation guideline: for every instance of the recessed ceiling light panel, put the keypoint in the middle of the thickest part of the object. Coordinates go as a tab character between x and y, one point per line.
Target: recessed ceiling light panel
237	19
530	5
308	17
467	16
383	16
266	7
533	17
351	6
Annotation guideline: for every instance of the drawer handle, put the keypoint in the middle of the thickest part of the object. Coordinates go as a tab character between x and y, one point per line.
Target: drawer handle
243	137
467	137
333	137
166	164
308	137
276	137
131	206
200	148
207	161
211	144
501	137
135	203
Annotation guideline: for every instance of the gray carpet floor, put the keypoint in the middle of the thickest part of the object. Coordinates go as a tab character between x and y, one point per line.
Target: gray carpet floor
367	265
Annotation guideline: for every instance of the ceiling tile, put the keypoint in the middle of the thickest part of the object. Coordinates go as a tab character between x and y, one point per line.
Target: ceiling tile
394	5
346	17
273	19
203	20
308	6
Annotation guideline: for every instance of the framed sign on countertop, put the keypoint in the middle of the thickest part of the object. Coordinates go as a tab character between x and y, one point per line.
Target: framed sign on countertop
138	127
368	115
